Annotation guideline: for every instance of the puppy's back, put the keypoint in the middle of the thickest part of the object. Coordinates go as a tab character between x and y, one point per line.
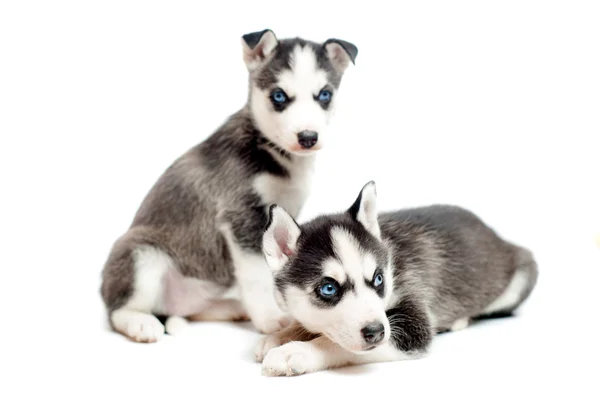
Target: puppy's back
459	264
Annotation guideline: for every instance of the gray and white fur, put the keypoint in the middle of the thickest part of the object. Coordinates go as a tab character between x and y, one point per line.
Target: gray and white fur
193	250
366	287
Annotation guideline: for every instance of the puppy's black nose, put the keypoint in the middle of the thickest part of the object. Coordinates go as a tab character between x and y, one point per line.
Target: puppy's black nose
373	333
307	138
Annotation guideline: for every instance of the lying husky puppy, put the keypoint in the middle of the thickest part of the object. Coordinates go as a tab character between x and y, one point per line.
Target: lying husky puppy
366	288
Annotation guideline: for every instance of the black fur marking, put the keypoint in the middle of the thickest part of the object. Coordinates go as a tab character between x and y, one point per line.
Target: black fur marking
260	160
280	107
270	213
328	302
324	301
324	104
350	48
306	269
410	326
264	143
380	289
353	211
253	38
315	246
252	219
270	216
248	145
267	77
355	208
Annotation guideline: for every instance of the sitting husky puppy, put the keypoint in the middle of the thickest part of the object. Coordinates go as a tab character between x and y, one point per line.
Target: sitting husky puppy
194	247
365	288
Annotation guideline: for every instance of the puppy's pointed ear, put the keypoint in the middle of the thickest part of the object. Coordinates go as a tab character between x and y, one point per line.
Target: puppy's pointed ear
257	47
280	237
364	209
341	53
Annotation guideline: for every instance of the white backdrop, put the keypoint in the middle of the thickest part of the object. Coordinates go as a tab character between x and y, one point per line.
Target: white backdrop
492	106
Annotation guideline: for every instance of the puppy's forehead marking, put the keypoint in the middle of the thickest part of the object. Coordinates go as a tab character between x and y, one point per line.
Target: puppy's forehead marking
304	78
369	266
332	268
349	253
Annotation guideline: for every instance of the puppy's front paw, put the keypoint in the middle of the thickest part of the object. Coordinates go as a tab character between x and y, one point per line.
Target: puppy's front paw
176	325
142	327
272	325
265	345
293	358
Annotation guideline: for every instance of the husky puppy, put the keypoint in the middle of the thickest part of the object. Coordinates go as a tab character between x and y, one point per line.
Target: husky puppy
365	288
193	250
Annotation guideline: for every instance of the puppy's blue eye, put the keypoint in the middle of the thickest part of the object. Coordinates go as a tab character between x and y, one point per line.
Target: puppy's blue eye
279	97
378	280
324	96
328	290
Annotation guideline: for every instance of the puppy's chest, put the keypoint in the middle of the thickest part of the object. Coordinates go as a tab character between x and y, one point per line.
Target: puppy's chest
288	192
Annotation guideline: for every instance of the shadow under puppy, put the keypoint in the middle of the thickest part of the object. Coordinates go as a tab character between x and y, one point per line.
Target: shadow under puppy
367	288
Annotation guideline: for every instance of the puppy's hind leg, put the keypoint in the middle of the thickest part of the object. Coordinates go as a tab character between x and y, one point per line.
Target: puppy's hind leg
139	326
519	288
132	290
